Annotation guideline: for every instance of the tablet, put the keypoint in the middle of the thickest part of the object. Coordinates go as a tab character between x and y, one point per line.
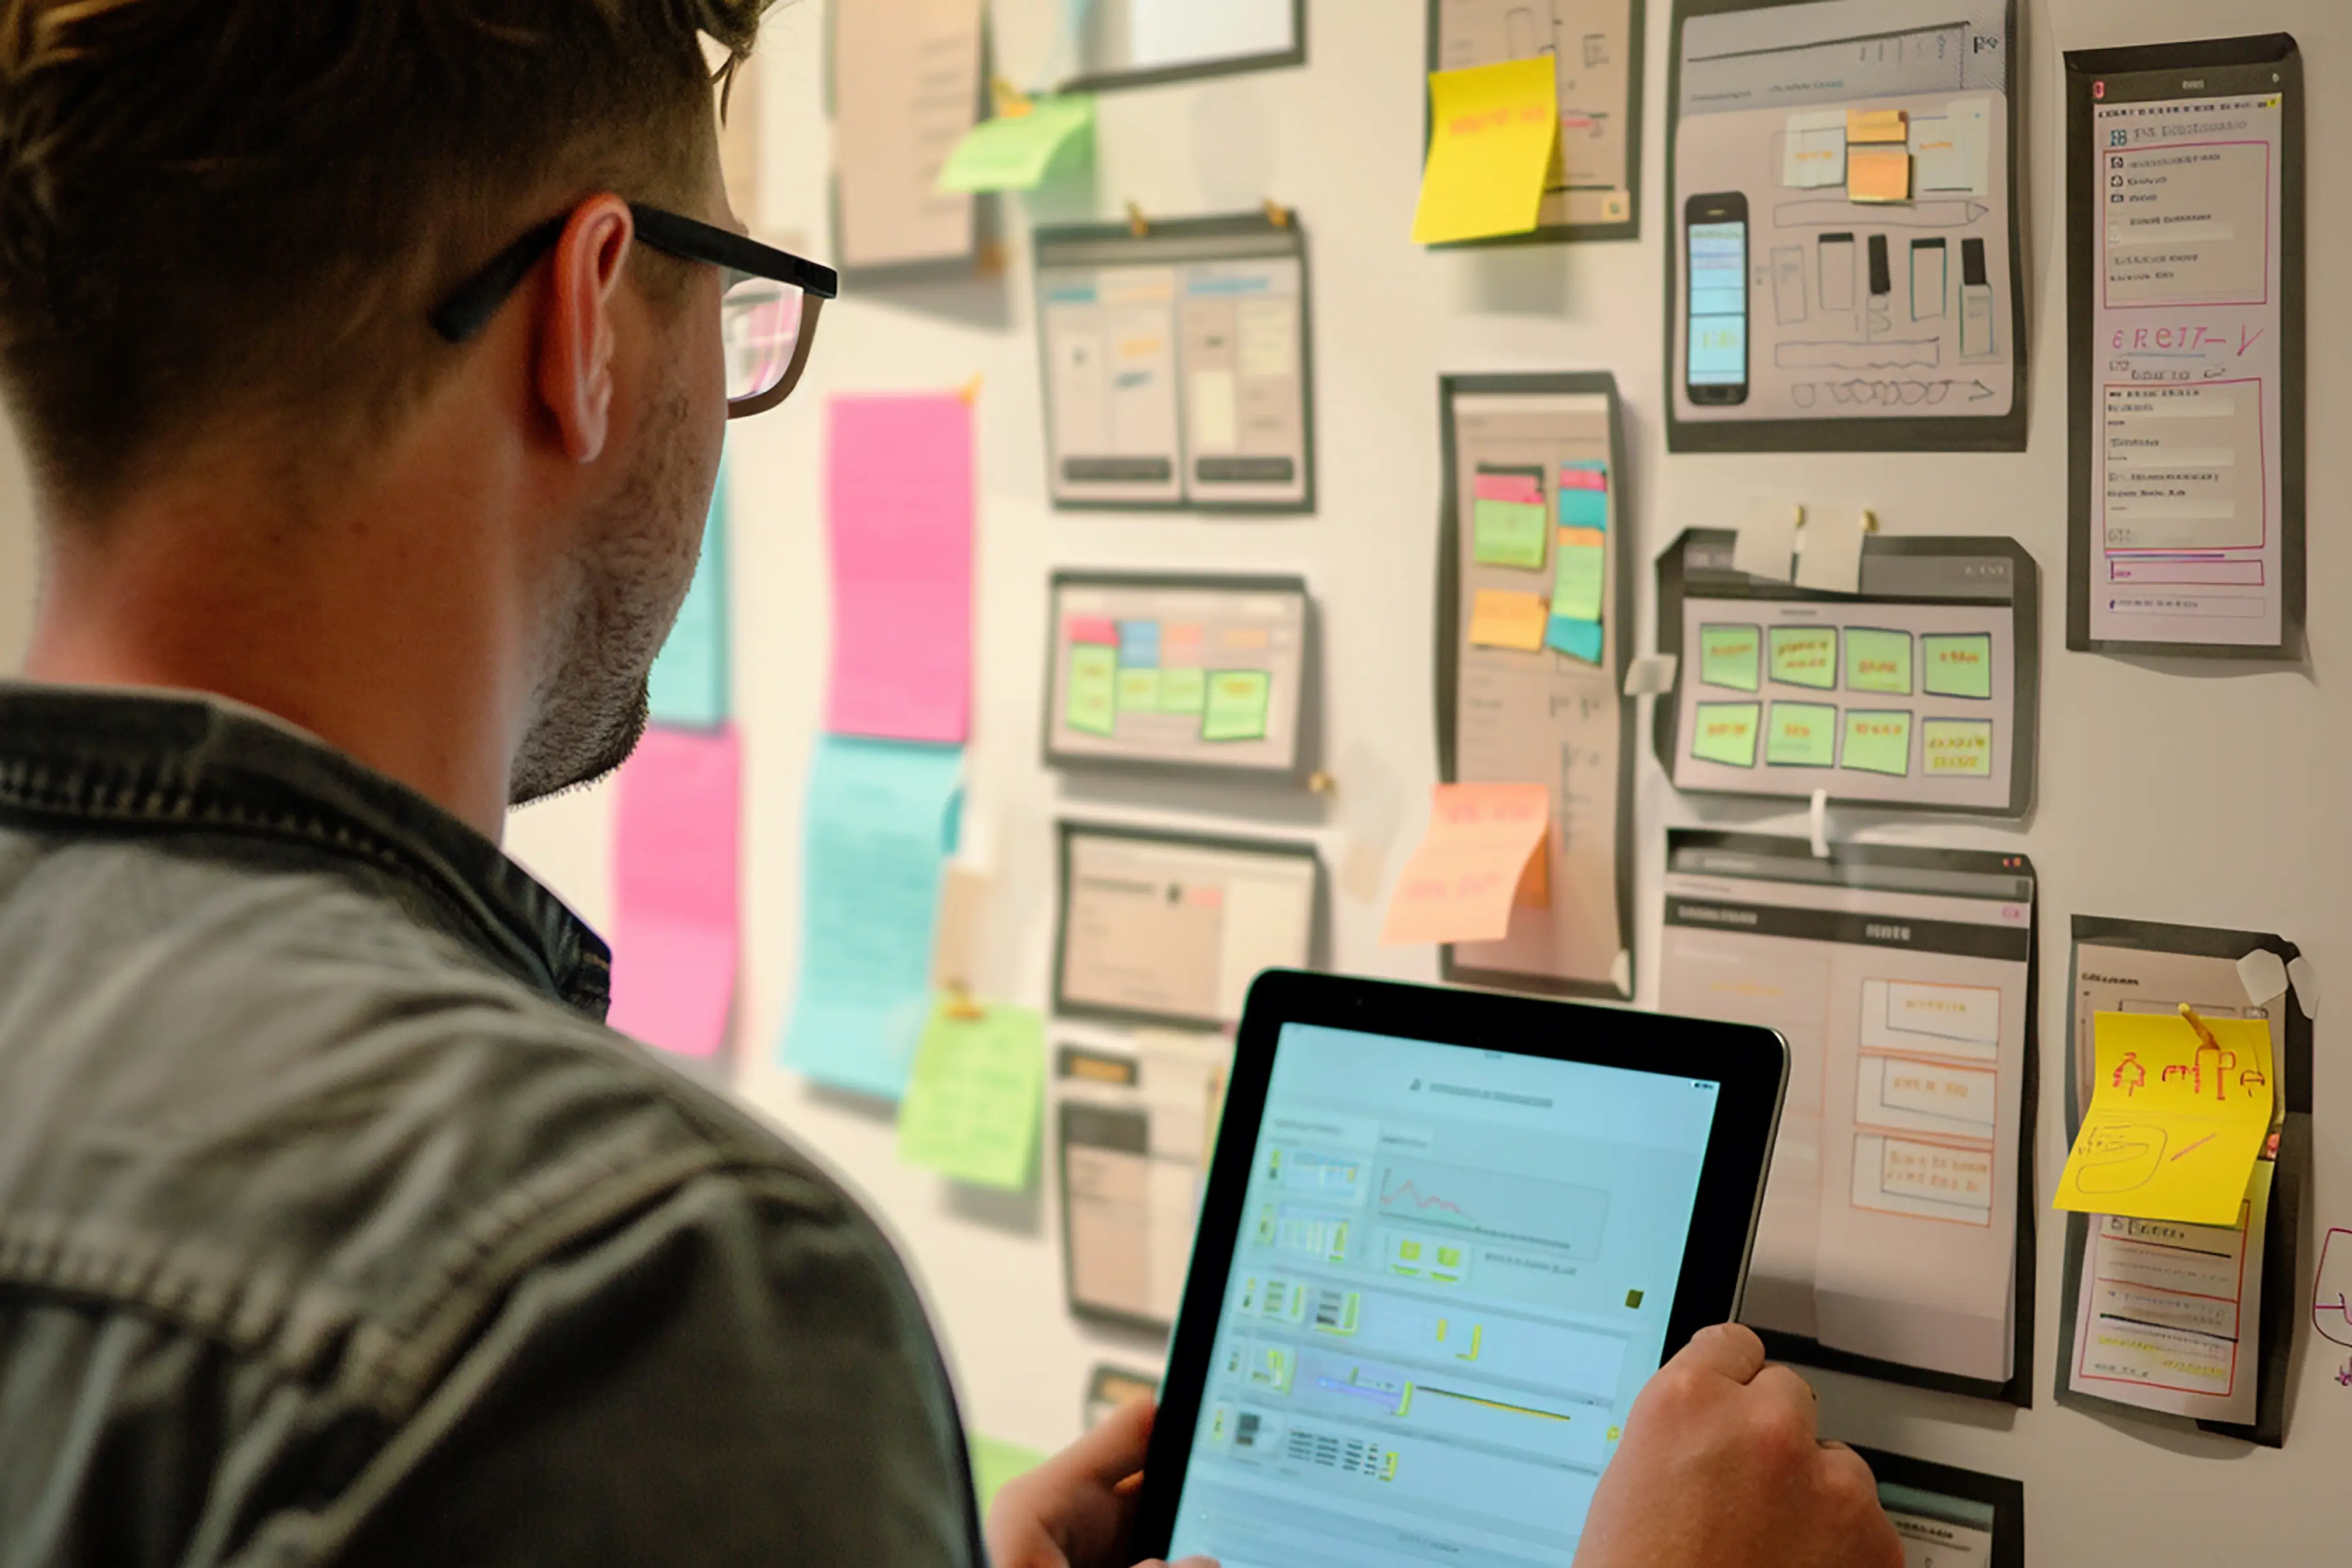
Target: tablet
1447	1237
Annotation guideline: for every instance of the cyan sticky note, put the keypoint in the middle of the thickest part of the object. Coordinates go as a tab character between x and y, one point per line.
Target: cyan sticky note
881	820
1583	508
687	686
1577	639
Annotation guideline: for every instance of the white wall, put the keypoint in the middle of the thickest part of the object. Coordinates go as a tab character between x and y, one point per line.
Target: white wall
2168	790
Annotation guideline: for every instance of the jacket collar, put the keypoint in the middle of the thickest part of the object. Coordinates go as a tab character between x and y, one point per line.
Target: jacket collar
168	762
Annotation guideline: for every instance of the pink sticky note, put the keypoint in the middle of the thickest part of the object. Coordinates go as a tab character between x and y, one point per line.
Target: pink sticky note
900	501
674	878
1515	487
1584	478
1094	629
1482	857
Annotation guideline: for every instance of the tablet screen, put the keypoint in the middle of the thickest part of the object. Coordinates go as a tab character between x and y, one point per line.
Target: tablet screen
1453	1273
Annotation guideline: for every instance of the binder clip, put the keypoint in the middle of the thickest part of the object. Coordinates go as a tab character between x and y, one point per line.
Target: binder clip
1011	102
970	392
1322	783
1137	223
1276	213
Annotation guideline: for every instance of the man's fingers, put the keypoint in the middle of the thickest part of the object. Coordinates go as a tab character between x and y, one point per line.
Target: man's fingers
1729	1350
1112	1451
1785	1388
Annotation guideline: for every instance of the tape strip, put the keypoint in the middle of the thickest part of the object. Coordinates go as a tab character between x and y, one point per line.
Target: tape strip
2306	987
1651	674
1821	824
2263	974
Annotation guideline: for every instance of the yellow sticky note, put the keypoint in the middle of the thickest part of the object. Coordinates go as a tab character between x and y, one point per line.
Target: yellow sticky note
1875	125
1502	619
2175	1124
1483	854
1493	131
1878	174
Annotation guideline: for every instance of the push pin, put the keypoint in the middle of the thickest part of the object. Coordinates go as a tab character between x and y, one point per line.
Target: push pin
1322	783
1137	223
1276	213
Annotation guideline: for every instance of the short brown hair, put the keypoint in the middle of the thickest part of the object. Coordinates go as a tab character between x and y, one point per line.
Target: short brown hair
221	208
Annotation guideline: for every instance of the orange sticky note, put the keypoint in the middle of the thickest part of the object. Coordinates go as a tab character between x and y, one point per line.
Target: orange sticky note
1482	854
1878	174
1502	619
1878	125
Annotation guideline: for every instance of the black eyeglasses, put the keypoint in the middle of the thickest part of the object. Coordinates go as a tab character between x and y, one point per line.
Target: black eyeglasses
769	309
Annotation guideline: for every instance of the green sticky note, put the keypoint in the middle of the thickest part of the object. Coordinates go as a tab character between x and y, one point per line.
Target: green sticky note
1878	662
1877	743
1508	533
1732	657
1092	703
1580	576
1801	735
975	1096
1139	690
1957	747
1725	733
1183	691
1957	665
1805	656
993	1464
1013	152
1237	704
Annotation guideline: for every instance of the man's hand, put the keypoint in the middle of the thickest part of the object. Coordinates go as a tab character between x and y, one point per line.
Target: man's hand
1077	1509
1720	1464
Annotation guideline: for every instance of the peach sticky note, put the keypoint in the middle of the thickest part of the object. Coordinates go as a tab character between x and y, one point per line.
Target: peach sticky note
1878	125
1502	619
1878	174
1482	854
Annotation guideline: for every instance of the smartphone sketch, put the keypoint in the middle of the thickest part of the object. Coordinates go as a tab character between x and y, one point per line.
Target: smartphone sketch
1716	262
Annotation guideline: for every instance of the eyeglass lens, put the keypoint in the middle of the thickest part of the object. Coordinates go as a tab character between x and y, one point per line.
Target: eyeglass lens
762	323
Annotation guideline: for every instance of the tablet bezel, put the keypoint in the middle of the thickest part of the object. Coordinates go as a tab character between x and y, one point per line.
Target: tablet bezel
1749	1063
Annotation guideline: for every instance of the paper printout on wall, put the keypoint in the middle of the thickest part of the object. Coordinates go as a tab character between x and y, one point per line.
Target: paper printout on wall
1555	715
1173	928
1845	270
1176	371
1016	152
676	938
975	1095
1591	186
900	501
2178	1115
1136	1125
880	823
2160	1315
1481	856
906	91
1889	1241
1131	42
1493	133
688	684
2185	220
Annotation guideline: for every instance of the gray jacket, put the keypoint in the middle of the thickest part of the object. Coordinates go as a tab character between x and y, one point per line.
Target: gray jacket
335	1228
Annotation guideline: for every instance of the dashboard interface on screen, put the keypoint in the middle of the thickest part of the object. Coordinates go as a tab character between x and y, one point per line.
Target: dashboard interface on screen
1453	1273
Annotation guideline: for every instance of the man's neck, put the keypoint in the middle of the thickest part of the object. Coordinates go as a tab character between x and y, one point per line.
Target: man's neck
373	621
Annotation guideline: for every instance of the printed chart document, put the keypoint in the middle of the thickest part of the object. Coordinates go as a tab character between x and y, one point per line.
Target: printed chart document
2185	220
1949	1518
1170	928
1131	42
2162	1313
1176	371
1845	266
1590	185
1899	976
1921	690
906	90
1533	513
1180	674
1136	1123
676	866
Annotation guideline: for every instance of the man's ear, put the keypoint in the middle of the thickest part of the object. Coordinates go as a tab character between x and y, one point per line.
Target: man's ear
575	336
